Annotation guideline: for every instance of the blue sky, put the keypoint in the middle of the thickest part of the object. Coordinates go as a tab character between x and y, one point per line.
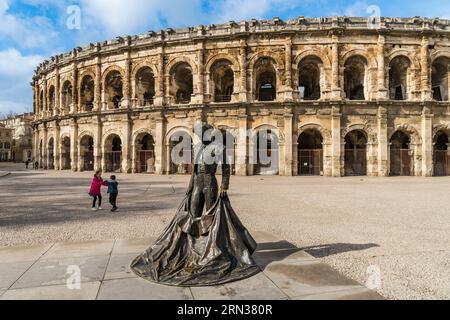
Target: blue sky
33	30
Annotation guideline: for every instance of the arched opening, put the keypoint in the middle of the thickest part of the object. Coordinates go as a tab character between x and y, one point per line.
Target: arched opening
87	153
113	154
310	153
145	153
114	90
266	80
181	87
439	79
223	80
355	78
181	153
66	96
145	86
51	99
51	154
401	155
441	154
267	153
230	150
65	154
87	93
41	154
398	78
355	153
41	101
309	78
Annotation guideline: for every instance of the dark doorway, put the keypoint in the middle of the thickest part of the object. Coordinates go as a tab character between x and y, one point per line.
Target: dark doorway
355	153
441	156
310	153
401	155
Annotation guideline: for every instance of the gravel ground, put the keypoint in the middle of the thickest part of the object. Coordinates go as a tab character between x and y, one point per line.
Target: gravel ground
400	226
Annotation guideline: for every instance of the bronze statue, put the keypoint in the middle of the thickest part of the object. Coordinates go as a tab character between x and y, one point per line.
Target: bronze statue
206	243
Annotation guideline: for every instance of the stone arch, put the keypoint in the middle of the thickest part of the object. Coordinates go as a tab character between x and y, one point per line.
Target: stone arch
357	76
221	78
269	75
326	134
84	74
143	145
410	130
144	91
442	127
86	95
401	77
144	64
371	63
110	69
366	129
223	56
181	86
180	166
402	52
183	59
260	167
279	63
86	145
312	52
311	74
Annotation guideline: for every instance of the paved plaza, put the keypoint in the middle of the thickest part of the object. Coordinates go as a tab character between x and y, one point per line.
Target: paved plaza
318	237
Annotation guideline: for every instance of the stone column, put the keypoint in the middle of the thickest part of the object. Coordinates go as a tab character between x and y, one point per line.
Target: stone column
243	66
126	152
57	146
199	94
127	83
288	145
427	142
336	142
74	108
288	94
383	158
98	85
98	144
335	88
381	73
57	108
45	148
159	96
425	69
36	145
44	100
74	145
160	132
241	144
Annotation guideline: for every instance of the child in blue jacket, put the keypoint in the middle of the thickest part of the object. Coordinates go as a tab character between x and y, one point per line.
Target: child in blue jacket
113	190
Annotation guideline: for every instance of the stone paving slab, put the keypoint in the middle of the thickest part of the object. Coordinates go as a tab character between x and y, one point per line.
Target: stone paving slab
79	249
140	289
126	246
21	254
10	272
119	267
287	273
55	272
88	291
258	287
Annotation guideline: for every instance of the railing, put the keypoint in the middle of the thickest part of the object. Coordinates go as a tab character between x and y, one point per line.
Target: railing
222	98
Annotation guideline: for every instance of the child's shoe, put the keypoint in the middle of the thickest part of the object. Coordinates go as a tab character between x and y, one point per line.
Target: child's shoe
100	208
94	209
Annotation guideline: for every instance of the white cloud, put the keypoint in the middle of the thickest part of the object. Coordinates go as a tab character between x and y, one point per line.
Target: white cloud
30	32
14	64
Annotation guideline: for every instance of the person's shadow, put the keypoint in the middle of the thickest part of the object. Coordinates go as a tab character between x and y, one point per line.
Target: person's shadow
269	252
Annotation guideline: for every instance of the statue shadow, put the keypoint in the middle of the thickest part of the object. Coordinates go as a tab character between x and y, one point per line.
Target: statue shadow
270	252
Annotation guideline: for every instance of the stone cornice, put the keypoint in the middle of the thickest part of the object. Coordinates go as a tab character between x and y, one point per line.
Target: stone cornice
275	26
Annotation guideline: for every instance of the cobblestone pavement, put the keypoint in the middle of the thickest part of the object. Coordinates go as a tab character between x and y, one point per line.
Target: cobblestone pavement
393	233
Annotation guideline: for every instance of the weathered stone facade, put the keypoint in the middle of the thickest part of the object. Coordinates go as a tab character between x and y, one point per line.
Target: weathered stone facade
347	98
22	136
5	142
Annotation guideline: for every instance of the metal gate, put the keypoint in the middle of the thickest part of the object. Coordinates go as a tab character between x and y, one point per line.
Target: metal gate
355	162
441	163
142	158
310	162
401	162
113	161
88	159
